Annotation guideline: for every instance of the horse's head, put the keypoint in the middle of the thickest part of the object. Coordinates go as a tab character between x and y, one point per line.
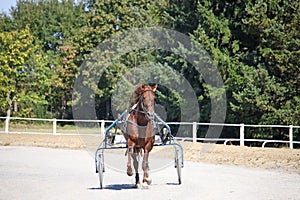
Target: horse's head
147	100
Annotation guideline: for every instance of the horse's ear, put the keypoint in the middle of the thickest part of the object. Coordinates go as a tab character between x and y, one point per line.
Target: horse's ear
154	87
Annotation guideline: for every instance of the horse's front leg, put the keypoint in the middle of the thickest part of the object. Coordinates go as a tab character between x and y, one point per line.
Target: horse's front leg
145	165
136	166
129	154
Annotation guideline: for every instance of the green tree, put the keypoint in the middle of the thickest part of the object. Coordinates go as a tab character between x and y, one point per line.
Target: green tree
55	25
255	46
24	78
106	19
275	32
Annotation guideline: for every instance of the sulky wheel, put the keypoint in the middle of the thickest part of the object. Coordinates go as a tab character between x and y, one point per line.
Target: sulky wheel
178	164
101	169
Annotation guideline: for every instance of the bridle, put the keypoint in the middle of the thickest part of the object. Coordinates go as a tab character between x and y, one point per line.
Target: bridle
149	116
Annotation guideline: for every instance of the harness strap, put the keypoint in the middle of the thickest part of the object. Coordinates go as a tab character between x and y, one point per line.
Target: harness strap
135	124
133	107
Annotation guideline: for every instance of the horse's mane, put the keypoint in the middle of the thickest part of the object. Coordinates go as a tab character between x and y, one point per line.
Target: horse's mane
137	93
135	96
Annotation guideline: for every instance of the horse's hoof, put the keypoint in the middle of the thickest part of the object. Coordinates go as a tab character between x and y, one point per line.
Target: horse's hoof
149	181
138	186
129	172
144	185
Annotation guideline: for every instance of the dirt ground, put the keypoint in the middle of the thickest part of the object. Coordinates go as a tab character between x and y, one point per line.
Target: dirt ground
269	158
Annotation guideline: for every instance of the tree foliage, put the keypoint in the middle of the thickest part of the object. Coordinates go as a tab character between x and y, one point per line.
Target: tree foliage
254	44
21	61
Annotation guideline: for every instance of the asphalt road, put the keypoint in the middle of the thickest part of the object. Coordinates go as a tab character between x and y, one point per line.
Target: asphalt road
41	173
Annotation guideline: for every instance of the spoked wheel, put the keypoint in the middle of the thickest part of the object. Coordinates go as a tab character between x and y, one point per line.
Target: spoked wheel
178	163
101	169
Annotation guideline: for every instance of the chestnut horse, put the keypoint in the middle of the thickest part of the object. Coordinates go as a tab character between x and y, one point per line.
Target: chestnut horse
140	131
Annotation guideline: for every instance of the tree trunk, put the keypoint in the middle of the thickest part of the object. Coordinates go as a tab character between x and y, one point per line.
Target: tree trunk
8	113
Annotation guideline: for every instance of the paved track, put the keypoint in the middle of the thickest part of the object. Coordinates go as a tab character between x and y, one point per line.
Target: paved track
41	173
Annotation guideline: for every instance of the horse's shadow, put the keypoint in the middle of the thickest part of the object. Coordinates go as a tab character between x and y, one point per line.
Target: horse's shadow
123	186
172	184
117	187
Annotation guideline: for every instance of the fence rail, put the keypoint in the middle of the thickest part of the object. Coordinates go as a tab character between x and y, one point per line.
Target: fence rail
194	125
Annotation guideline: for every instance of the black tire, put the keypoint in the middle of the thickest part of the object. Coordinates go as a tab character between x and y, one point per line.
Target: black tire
100	170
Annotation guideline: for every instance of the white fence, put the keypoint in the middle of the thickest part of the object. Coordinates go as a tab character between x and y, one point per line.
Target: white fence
193	138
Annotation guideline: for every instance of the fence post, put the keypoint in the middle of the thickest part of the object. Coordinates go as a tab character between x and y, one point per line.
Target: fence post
102	127
194	132
242	135
7	124
54	126
291	136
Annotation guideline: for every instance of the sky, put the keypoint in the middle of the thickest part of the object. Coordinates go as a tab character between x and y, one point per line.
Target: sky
6	4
